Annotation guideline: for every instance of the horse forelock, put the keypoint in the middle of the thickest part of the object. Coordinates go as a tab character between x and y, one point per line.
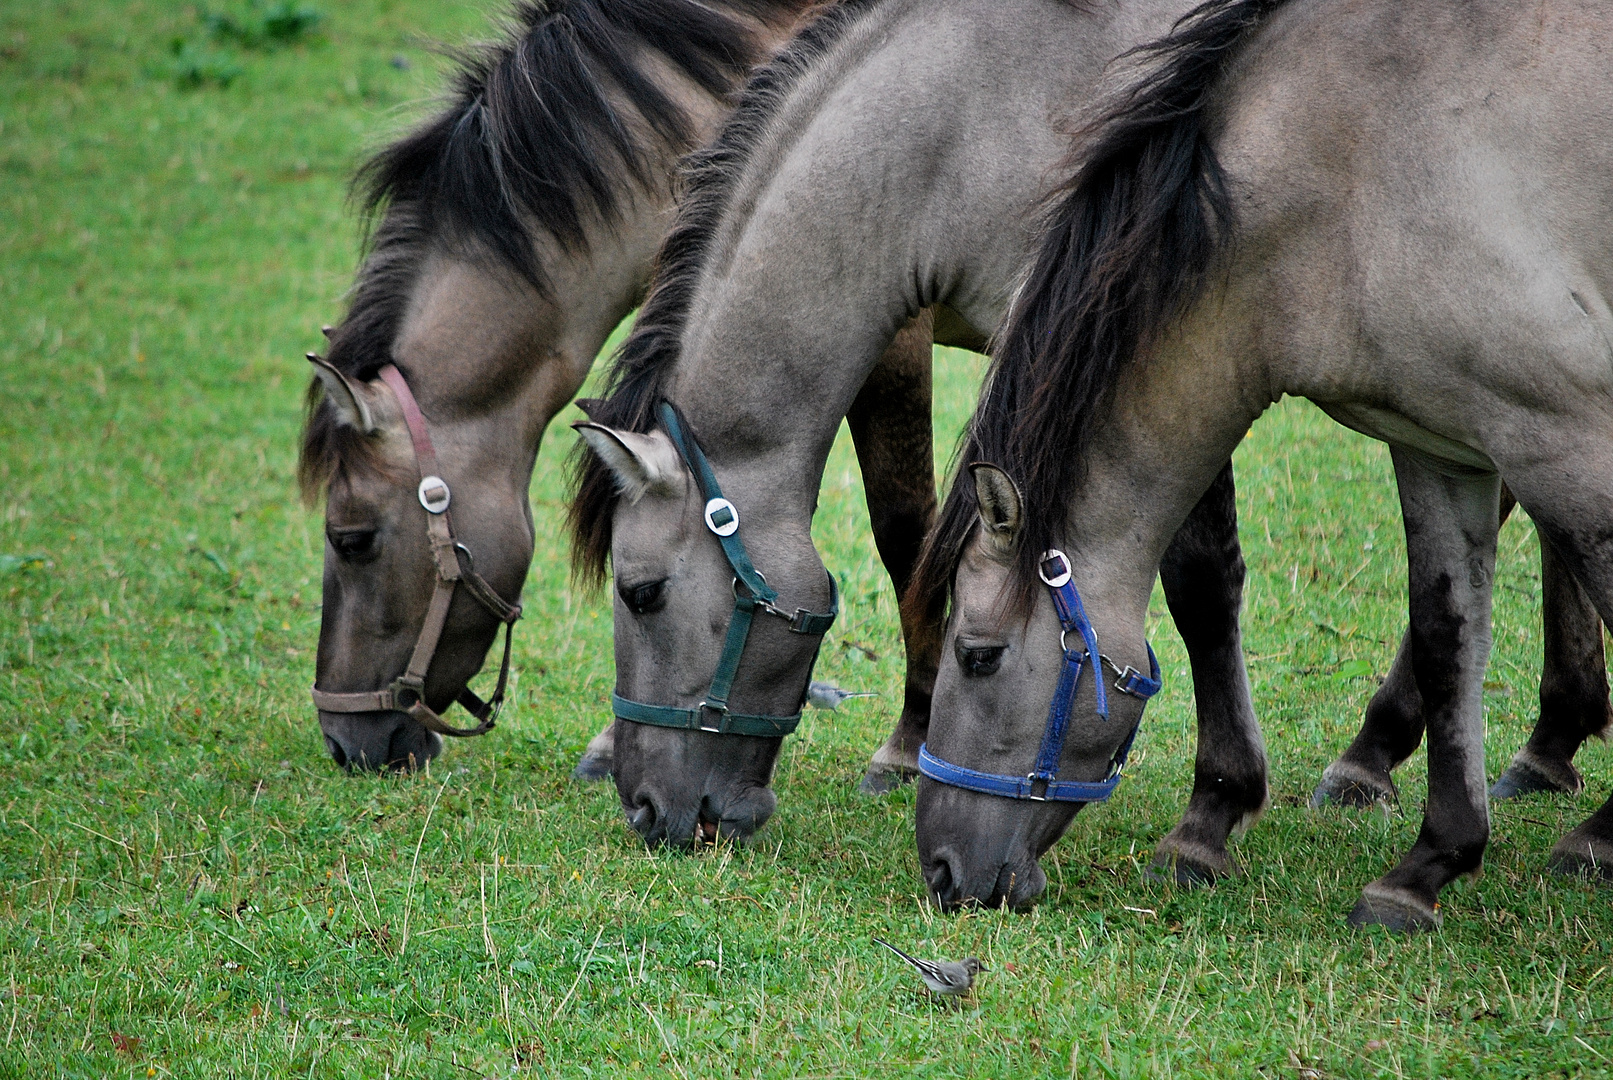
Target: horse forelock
642	368
1126	245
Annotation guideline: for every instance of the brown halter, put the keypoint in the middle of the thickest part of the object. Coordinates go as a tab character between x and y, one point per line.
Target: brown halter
407	692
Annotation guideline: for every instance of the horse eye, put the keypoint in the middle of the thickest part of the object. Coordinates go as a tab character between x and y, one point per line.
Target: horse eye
643	599
979	662
352	543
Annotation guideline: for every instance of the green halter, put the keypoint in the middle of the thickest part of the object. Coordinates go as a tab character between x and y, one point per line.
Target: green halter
752	593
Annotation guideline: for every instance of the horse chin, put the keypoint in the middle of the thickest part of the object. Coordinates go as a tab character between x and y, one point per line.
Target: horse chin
378	742
681	789
982	850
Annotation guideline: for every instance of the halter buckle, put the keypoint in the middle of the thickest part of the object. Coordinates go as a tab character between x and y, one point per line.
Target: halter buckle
434	494
407	692
722	516
1030	794
1125	678
1054	569
707	707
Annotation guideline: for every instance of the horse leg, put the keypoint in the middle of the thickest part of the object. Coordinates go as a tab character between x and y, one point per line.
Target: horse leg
1203	574
1390	732
1573	688
891	427
1451	524
1573	521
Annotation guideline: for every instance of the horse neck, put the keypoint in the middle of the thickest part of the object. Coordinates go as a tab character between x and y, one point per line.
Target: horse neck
835	234
1176	417
486	349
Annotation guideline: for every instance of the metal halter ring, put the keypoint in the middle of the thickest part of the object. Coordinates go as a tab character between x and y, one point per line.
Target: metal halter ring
434	494
722	516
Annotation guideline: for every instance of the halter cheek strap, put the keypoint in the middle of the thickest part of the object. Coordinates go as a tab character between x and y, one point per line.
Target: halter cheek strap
1041	783
408	691
752	594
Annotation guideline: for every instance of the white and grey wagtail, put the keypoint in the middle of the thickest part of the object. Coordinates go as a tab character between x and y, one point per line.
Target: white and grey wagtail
948	978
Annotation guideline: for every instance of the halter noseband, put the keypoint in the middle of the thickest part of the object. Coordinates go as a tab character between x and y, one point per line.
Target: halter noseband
1041	784
407	692
752	593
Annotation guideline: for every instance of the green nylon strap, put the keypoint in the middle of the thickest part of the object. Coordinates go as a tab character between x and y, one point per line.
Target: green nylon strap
733	647
728	723
733	547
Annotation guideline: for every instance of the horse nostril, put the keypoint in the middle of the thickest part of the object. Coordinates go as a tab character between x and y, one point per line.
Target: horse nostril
643	816
336	751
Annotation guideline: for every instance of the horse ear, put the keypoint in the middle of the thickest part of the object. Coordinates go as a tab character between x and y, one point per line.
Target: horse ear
347	399
588	405
640	463
1001	506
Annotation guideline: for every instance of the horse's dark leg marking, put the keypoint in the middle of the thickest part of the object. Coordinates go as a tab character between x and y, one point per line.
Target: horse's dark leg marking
1390	732
1203	574
1573	687
891	427
1583	546
1573	705
1450	543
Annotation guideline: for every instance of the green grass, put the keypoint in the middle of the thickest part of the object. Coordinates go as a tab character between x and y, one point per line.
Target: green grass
188	887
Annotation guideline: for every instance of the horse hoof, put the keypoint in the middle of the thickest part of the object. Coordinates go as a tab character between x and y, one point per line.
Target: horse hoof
1393	909
1346	784
1578	855
1189	865
1529	774
592	767
881	779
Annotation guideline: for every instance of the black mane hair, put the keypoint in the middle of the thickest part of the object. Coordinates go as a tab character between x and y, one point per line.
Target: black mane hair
640	368
1127	243
542	131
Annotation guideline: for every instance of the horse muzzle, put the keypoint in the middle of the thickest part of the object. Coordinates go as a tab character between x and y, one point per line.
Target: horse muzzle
389	741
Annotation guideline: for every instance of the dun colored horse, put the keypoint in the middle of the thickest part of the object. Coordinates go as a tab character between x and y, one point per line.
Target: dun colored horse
1398	210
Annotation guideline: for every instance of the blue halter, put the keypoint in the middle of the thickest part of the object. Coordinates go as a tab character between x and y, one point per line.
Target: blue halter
1041	785
752	593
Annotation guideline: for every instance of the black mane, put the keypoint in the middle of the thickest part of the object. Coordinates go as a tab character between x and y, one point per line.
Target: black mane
1126	245
640	368
543	131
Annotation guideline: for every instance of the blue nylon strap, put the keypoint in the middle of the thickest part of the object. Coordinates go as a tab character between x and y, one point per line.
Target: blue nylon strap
1015	787
1042	784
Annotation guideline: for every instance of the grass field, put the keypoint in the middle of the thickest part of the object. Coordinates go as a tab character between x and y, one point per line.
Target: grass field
188	887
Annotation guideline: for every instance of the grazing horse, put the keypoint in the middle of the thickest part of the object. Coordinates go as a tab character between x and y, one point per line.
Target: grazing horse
1400	210
519	227
844	194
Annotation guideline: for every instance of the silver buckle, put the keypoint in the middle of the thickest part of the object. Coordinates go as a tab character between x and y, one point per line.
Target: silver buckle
700	714
1121	675
434	494
1061	577
1031	794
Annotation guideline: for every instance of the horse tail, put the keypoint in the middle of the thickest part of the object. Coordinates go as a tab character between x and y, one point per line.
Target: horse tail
1126	244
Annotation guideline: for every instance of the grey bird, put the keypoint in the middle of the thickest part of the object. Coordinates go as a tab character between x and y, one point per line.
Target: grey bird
822	695
948	978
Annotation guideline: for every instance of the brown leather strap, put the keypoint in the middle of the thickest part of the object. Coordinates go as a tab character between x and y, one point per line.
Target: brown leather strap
407	692
425	454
